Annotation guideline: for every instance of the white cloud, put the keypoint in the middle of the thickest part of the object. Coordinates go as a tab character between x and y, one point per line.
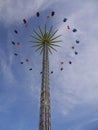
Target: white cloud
15	10
5	64
77	84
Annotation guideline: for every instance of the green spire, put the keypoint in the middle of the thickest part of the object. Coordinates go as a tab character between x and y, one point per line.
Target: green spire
45	37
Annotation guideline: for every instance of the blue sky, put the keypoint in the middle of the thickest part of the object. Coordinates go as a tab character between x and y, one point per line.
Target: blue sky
74	91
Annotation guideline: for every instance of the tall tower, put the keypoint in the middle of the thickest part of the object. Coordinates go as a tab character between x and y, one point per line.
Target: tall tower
45	42
45	115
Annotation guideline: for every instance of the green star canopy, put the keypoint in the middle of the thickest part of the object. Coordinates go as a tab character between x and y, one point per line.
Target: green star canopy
43	37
